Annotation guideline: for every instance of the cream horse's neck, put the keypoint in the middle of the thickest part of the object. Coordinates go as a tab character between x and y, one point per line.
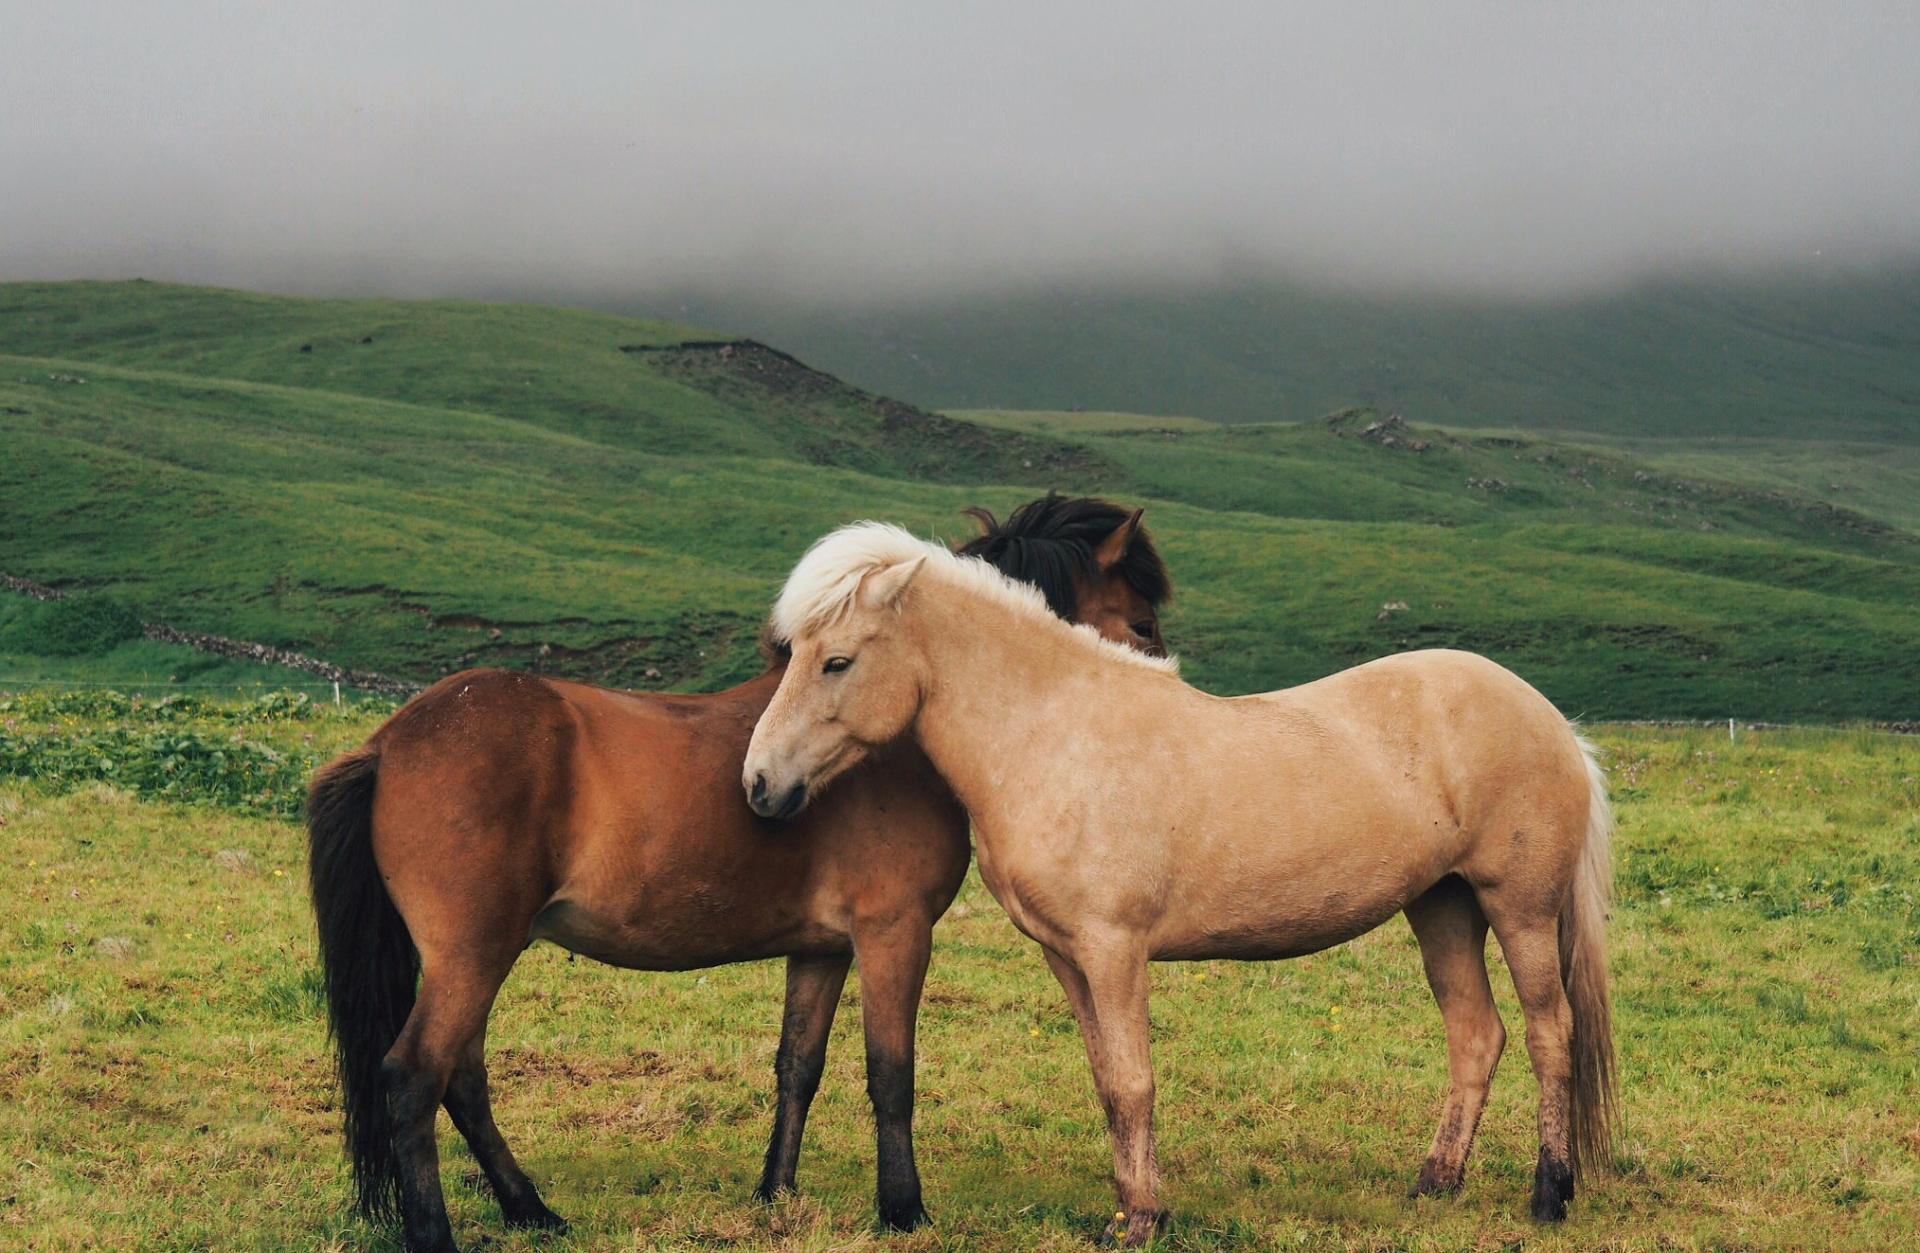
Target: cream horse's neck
1012	696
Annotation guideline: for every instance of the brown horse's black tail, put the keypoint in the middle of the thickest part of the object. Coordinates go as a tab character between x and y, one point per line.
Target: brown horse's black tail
369	962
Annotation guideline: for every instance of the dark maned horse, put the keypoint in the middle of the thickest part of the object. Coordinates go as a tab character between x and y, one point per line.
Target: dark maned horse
499	808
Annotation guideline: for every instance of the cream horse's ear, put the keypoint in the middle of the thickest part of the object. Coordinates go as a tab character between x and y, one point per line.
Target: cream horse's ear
1115	546
885	588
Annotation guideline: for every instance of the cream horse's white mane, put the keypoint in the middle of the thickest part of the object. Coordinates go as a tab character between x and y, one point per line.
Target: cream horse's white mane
822	586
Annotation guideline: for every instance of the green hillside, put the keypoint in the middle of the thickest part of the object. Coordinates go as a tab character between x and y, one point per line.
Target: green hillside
1835	356
642	385
512	485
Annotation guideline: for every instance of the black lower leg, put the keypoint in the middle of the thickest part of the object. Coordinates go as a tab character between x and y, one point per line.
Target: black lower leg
1552	1187
413	1100
468	1103
890	1084
796	1074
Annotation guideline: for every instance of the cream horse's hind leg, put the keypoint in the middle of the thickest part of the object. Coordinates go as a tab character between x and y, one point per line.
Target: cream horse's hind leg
1532	947
1080	1000
1452	931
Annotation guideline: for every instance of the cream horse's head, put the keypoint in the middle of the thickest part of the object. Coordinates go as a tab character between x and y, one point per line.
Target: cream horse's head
854	682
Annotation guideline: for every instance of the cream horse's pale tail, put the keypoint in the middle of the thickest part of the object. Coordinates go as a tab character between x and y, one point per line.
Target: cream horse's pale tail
1583	969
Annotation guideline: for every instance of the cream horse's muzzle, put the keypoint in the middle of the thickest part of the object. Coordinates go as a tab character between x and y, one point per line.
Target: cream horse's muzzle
773	801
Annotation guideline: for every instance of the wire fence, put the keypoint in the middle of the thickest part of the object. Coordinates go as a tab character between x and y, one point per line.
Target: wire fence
235	685
340	693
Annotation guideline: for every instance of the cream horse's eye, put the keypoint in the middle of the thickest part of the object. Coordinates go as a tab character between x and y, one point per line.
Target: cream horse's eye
836	664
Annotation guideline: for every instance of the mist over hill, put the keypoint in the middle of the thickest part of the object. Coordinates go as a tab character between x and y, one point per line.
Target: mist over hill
1827	356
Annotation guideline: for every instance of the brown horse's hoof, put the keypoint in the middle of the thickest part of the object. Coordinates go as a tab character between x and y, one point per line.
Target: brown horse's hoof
537	1217
909	1217
430	1242
1134	1229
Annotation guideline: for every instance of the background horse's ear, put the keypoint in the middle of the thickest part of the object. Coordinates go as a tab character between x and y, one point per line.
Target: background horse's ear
984	516
884	588
1115	546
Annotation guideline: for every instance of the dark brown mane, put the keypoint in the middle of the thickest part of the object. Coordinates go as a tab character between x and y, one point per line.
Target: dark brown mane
774	651
1050	543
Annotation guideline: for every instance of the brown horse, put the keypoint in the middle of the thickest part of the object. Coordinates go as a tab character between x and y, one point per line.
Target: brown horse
499	808
1434	783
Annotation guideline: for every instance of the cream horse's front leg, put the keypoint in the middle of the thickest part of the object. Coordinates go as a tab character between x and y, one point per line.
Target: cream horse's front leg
1105	979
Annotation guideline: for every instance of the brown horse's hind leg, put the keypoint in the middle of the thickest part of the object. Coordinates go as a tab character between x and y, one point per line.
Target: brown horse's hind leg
471	1107
893	970
813	994
449	1014
1453	947
1532	948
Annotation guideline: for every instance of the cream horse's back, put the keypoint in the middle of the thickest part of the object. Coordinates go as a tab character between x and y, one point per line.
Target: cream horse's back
1334	804
1121	816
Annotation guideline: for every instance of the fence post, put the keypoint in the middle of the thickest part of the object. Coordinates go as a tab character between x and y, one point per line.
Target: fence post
1730	731
336	692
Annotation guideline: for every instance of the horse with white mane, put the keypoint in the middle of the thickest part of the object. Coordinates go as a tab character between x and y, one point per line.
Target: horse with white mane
1122	816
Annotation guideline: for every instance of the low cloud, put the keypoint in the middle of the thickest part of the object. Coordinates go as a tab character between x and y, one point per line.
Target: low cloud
866	150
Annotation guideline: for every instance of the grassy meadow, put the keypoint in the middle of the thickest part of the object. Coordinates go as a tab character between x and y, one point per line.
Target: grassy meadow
413	487
164	1082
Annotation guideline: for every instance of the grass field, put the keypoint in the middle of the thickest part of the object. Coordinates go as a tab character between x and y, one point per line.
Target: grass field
164	1085
412	487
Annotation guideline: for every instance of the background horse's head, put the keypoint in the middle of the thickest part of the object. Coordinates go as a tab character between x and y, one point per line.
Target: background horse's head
1091	559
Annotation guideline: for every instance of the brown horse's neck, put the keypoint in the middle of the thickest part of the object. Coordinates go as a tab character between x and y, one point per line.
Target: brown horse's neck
1009	696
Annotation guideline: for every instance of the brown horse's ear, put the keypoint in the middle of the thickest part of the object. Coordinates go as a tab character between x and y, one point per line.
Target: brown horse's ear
884	588
1115	546
984	517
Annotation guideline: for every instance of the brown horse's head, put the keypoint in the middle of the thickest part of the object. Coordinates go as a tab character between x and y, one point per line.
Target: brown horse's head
1090	558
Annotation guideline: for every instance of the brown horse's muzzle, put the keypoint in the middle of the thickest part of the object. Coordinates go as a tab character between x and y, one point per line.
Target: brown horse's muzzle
770	801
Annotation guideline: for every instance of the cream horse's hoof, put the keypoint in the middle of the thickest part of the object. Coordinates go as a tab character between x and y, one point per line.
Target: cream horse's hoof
1133	1230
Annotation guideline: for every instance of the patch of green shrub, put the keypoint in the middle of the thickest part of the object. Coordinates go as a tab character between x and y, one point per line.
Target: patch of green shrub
76	626
165	764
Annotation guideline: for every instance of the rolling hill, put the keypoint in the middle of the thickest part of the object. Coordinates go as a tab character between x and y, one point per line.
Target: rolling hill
411	487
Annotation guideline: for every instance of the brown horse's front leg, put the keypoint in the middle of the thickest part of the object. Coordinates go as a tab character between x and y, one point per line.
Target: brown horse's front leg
813	994
1115	970
893	969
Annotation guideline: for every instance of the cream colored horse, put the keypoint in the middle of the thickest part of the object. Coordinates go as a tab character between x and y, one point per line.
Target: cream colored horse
1122	816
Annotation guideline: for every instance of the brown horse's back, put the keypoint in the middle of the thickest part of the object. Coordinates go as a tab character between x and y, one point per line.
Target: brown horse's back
612	823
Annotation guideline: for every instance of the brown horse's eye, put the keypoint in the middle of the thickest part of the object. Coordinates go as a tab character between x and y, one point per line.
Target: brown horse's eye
1144	630
836	664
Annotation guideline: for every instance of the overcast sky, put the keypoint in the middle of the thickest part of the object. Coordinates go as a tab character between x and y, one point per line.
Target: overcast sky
830	149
